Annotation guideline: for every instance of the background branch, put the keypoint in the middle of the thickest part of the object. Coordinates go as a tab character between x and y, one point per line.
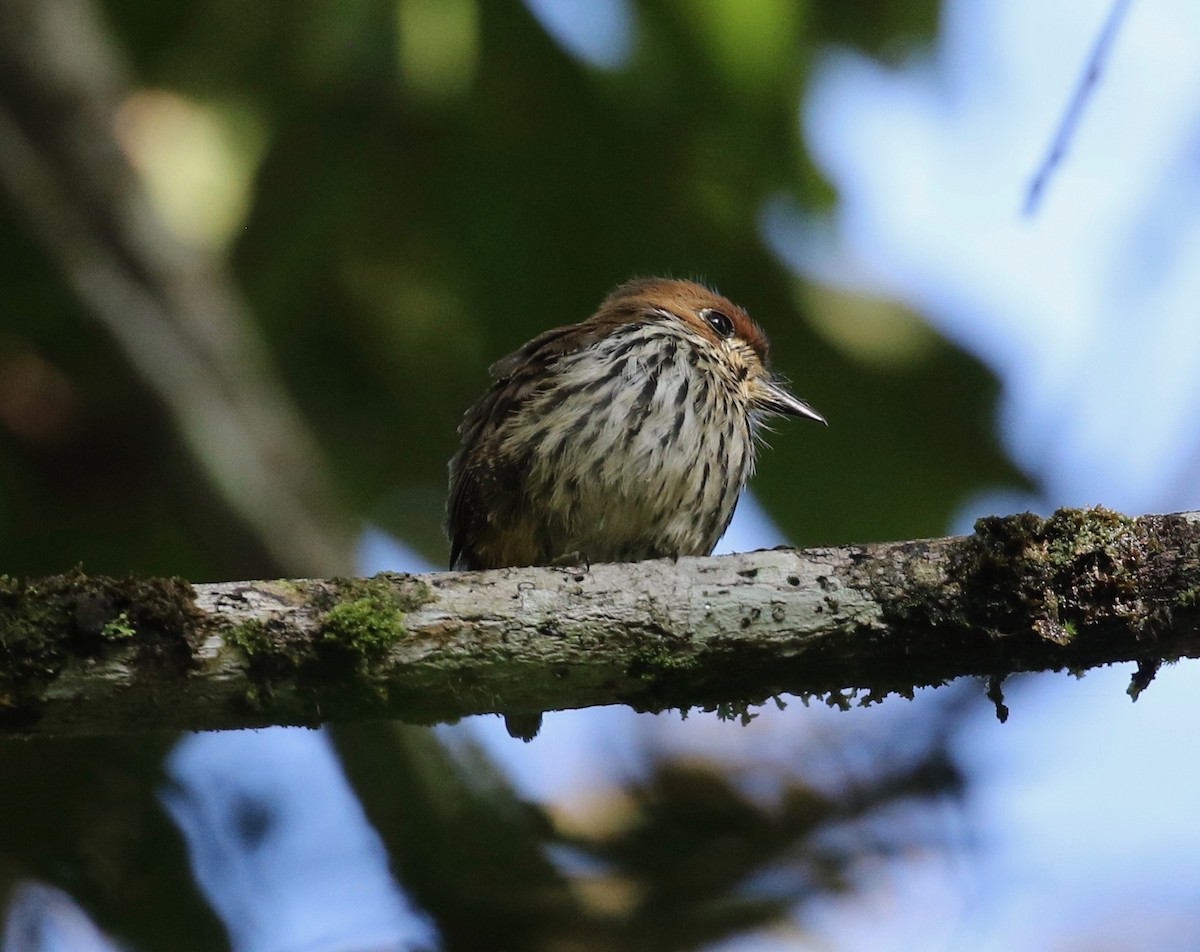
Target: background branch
172	308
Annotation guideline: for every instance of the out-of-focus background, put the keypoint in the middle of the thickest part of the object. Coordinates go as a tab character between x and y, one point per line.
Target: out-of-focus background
254	262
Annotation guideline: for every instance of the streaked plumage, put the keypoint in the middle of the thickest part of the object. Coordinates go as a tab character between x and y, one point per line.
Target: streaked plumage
628	436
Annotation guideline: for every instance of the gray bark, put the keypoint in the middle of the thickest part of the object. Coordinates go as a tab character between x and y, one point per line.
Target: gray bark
83	655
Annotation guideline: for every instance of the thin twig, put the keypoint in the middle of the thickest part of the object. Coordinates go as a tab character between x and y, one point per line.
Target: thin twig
1083	90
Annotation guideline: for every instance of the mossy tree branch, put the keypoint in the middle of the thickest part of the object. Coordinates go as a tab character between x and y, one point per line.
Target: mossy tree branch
82	655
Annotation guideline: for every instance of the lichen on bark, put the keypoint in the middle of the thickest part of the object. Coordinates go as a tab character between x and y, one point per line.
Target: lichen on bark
1080	580
47	622
339	664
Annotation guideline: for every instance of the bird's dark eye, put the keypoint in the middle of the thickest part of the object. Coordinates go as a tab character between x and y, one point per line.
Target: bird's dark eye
718	322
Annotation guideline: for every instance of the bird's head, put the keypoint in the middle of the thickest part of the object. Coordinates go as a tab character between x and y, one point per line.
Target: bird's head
722	333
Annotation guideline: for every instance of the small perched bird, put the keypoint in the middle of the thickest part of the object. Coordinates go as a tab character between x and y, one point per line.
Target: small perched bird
626	437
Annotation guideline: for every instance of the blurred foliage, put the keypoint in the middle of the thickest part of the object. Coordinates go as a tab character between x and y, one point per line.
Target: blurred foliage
682	858
83	814
417	209
691	852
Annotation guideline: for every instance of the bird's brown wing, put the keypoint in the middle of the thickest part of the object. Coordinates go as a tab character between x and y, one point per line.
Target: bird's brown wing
481	482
